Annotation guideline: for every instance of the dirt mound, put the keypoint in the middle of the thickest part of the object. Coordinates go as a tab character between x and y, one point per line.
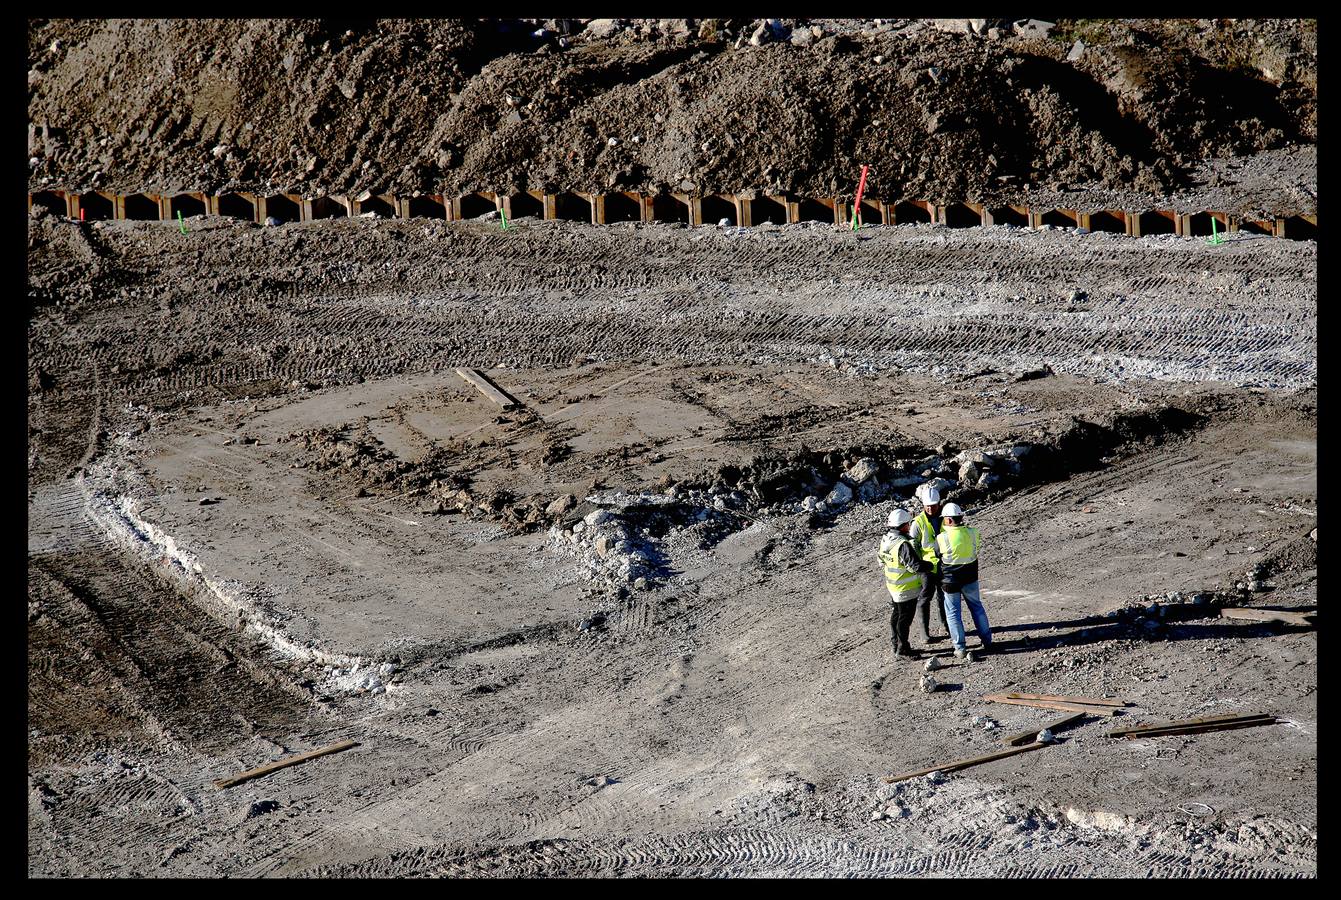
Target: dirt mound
450	106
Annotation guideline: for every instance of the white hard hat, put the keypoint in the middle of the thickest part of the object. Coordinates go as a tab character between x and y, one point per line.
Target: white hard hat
952	510
929	495
899	517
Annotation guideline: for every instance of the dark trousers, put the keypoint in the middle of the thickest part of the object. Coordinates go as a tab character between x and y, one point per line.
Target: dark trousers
900	623
931	595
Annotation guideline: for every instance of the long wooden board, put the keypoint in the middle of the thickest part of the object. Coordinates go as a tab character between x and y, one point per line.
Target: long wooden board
283	763
965	763
486	387
1268	615
1198	729
1052	704
1184	723
1025	737
1083	701
1193	727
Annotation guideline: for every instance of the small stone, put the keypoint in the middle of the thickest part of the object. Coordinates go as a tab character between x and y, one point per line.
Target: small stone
878	815
1045	737
1076	52
928	684
932	664
612	142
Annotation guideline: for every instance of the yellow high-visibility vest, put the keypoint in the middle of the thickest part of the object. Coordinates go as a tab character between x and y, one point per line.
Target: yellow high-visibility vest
900	581
927	538
958	545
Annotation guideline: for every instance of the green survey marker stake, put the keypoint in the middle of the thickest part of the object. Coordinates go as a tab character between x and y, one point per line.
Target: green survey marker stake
1215	232
504	216
180	223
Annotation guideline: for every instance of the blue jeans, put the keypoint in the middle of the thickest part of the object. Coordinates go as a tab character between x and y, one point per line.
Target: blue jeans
953	615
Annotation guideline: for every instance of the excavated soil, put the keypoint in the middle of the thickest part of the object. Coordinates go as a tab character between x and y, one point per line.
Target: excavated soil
316	106
634	625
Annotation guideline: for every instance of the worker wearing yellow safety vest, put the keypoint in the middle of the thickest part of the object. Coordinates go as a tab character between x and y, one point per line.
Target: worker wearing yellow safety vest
958	546
904	568
924	530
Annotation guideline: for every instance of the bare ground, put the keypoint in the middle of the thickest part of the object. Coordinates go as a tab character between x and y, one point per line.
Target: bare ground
380	559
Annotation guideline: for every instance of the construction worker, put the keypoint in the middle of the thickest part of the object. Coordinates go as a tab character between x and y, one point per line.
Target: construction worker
925	528
904	566
958	548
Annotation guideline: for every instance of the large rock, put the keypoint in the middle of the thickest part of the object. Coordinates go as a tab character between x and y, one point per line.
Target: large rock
597	517
604	28
862	471
1033	28
840	495
561	505
953	26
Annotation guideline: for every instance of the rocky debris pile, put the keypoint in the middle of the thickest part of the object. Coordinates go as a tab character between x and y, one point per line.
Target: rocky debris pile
1150	613
430	482
623	540
827	482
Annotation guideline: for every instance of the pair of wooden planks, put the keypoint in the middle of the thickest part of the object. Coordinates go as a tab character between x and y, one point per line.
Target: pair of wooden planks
1195	726
1269	615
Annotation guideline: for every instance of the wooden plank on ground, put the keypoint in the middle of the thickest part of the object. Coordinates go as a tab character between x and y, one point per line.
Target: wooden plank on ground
1025	737
1083	701
1052	704
283	763
486	387
1197	729
965	763
1186	723
1268	615
1191	726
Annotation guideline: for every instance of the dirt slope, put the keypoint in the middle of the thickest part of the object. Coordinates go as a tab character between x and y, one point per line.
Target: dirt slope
454	105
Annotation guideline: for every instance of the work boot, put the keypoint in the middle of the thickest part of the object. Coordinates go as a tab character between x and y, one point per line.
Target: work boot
960	652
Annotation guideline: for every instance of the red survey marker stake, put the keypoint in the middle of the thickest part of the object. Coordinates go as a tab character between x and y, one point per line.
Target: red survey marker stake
861	188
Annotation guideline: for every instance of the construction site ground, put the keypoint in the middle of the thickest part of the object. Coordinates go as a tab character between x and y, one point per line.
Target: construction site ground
266	514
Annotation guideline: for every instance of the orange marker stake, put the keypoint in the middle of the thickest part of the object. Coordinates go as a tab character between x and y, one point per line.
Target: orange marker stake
861	188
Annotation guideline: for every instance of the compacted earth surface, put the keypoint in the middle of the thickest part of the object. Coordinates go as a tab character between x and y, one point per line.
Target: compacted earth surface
632	623
626	618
